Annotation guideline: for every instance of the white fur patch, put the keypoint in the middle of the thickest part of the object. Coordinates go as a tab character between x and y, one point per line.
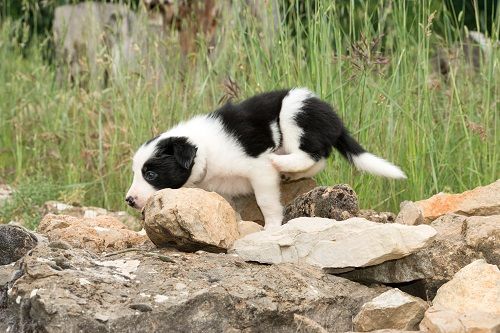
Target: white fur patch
377	166
290	106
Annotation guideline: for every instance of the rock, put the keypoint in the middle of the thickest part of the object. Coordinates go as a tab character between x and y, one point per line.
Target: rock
206	292
470	302
459	241
337	202
248	227
60	208
99	234
247	206
308	325
374	216
481	201
5	193
15	242
332	244
393	309
410	214
190	219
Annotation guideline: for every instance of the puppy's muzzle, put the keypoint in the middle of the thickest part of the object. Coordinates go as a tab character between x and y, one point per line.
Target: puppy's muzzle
130	201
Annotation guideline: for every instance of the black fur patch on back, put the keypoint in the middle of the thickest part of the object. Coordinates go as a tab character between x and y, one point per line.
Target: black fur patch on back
321	127
249	121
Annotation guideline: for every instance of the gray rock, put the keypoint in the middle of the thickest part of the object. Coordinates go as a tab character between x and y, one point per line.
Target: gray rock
331	244
202	292
410	214
393	309
459	241
15	242
337	202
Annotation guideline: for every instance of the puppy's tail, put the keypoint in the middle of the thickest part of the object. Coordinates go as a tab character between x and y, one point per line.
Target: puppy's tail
365	161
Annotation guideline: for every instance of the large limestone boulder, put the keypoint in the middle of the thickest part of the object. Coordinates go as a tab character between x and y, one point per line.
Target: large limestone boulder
459	241
190	219
331	244
393	309
100	234
61	208
72	290
337	202
247	206
481	201
470	302
15	242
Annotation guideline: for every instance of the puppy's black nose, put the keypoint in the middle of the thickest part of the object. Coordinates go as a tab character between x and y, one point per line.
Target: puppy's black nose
130	201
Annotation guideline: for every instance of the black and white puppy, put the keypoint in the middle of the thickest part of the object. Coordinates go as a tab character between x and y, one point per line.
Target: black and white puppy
246	147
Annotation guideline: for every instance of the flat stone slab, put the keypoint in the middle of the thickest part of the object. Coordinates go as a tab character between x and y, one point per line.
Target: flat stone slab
334	245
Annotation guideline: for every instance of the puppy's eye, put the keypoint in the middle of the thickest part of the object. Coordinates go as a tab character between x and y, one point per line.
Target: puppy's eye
150	175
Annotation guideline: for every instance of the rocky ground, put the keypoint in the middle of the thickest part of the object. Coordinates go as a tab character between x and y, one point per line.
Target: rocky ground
206	267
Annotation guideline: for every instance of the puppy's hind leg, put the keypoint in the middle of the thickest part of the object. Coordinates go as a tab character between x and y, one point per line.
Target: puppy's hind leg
298	161
266	186
311	172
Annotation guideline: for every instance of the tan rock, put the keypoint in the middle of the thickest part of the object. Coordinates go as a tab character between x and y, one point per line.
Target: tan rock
248	227
99	234
483	201
393	309
470	302
250	211
57	207
459	241
190	219
410	214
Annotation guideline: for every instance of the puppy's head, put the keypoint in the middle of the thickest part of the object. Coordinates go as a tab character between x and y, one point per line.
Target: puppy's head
160	163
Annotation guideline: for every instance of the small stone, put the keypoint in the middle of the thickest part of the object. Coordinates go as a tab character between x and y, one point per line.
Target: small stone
141	307
15	242
410	214
332	244
337	202
470	302
374	216
393	309
248	227
190	219
101	317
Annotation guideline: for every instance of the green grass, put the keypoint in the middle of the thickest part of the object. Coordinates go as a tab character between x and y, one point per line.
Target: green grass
443	133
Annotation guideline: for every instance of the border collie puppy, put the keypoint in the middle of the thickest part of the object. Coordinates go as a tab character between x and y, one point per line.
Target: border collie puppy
247	147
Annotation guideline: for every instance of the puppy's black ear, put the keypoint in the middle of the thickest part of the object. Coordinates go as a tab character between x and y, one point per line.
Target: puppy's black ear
180	148
184	153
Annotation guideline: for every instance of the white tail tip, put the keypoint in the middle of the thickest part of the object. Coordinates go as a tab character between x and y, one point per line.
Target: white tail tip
377	166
